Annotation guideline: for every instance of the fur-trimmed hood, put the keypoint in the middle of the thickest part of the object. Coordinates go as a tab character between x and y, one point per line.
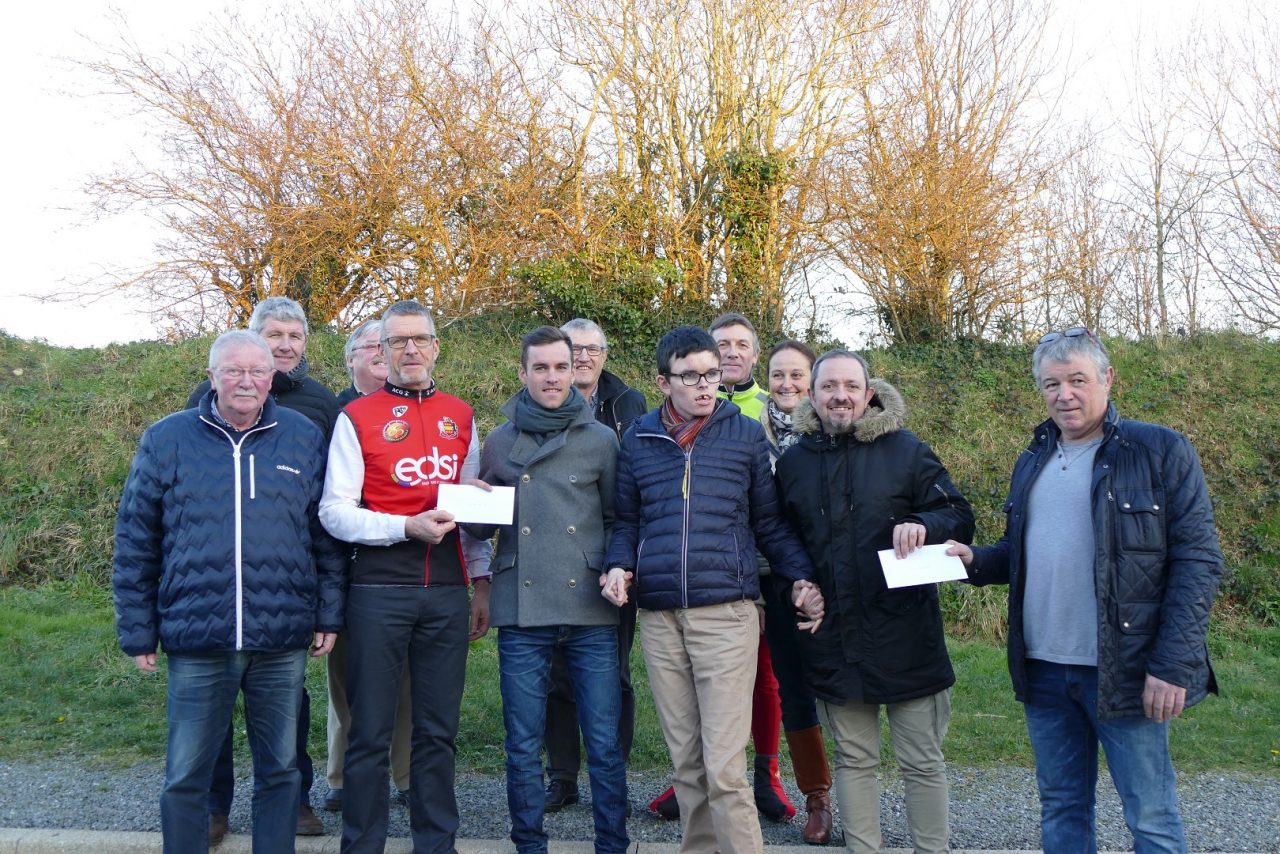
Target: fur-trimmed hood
886	413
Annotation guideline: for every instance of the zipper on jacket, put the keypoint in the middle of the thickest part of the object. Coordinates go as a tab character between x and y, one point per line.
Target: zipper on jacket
253	480
684	529
239	549
235	457
684	526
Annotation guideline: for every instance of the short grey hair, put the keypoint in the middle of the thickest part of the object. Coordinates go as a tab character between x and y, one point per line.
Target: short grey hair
373	324
733	318
1064	349
406	308
840	353
581	324
237	337
277	308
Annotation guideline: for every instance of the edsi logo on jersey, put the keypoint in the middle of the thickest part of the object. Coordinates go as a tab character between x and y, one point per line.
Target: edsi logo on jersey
435	468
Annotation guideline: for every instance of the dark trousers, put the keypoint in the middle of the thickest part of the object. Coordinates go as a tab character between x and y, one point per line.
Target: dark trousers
799	705
387	627
564	758
223	788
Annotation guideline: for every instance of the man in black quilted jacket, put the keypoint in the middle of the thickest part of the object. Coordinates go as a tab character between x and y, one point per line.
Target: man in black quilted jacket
221	560
1112	561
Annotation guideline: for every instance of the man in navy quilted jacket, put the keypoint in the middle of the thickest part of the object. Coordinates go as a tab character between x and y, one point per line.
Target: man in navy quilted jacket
221	560
695	496
1112	561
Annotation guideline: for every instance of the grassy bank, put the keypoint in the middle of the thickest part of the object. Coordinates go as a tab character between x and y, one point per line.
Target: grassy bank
71	691
70	420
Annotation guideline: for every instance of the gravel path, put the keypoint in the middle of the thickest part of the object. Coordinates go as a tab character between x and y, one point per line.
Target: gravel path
990	808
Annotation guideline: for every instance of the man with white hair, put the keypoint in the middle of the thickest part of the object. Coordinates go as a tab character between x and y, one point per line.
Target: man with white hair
220	559
282	323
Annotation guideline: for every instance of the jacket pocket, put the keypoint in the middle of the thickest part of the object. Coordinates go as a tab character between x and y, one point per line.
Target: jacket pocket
1139	618
595	561
1140	519
504	560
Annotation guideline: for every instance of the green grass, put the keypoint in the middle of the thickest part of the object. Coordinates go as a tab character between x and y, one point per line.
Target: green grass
70	691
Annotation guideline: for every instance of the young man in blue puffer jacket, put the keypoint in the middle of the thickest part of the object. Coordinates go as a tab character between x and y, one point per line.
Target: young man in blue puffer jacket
695	496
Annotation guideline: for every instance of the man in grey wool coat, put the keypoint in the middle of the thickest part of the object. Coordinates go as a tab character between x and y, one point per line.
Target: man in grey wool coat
547	574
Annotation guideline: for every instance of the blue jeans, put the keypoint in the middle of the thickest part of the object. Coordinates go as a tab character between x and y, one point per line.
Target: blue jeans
1062	720
202	693
223	788
524	664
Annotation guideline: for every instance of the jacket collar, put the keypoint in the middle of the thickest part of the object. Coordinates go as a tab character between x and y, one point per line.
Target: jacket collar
1046	432
651	421
210	414
609	386
282	383
410	393
885	414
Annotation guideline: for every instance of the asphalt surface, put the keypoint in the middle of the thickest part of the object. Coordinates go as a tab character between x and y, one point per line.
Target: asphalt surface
992	809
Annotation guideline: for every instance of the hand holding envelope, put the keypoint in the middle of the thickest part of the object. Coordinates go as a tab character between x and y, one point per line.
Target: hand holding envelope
477	502
924	565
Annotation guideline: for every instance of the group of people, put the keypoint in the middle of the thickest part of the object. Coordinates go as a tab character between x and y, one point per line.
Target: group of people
739	526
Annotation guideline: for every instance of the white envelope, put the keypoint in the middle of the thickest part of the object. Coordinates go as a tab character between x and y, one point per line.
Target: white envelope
925	565
472	504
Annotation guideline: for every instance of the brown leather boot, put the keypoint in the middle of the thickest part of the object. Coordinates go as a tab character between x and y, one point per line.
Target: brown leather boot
813	776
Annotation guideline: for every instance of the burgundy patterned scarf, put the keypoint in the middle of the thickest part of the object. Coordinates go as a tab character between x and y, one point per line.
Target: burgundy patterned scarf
682	430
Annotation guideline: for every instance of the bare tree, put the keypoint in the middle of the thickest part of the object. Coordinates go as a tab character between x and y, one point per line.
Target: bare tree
344	162
707	129
934	202
1247	70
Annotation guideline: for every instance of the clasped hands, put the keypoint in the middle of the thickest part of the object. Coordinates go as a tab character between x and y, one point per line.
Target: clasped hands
805	595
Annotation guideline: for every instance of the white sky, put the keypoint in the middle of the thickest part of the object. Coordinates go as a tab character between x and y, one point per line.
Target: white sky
57	135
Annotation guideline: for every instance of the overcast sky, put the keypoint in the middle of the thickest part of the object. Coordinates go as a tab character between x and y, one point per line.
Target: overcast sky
57	135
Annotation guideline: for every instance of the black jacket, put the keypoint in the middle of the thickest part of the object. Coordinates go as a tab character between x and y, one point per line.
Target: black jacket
1156	561
844	494
620	404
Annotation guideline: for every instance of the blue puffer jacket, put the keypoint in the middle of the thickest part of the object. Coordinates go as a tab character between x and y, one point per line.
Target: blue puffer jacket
1156	561
218	546
696	546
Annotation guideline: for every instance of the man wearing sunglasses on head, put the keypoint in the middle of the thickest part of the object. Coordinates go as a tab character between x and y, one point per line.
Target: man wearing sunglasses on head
1112	560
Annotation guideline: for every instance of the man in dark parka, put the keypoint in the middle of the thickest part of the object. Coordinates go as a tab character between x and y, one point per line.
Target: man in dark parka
858	482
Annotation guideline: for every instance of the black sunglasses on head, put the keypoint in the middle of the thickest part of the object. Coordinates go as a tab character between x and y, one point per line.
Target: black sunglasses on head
1073	332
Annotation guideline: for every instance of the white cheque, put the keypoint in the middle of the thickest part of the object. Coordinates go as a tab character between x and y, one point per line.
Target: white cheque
473	504
925	565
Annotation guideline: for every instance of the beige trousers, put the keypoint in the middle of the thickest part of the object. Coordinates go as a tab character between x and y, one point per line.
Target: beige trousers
340	721
917	728
702	665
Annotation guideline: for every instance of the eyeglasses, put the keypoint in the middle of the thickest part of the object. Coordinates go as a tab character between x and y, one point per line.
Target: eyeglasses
399	342
237	373
1073	332
367	347
591	350
691	377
